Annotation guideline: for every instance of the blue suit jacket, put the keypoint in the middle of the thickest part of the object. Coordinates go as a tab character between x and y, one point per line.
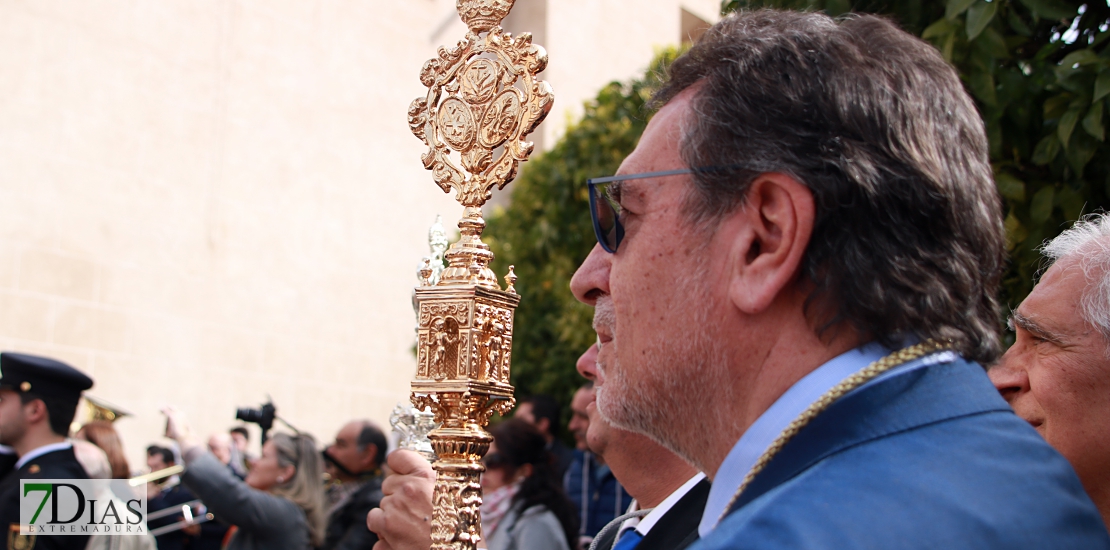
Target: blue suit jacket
932	458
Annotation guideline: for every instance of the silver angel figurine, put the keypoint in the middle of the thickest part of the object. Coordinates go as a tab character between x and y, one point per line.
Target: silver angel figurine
413	426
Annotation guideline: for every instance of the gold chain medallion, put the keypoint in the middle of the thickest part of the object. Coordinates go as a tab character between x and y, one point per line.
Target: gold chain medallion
861	377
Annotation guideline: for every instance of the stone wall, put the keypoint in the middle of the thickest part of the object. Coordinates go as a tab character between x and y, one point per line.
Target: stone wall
207	202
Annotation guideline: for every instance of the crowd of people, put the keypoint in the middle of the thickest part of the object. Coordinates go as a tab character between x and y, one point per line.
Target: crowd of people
222	497
796	301
293	494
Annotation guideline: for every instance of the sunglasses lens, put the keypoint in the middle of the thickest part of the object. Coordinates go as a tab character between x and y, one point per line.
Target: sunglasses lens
605	217
493	460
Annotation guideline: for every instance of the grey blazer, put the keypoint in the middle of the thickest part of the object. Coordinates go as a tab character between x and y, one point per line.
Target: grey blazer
536	528
265	521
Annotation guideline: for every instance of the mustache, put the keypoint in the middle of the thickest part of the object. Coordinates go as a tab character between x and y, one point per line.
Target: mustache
605	316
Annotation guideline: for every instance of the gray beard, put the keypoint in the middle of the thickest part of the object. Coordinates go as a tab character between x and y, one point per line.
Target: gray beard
676	401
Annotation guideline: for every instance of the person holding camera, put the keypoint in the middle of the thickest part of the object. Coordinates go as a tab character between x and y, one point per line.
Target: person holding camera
280	505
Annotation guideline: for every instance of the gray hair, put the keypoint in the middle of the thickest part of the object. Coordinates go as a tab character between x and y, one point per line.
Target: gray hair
908	238
1088	241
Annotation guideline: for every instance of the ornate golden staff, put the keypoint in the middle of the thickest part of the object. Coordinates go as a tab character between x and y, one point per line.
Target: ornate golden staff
483	100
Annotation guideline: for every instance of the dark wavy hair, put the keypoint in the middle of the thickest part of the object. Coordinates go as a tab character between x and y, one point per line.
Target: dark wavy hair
520	443
908	237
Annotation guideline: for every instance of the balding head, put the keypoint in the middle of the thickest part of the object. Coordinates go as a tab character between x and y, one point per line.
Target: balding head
220	445
359	448
92	459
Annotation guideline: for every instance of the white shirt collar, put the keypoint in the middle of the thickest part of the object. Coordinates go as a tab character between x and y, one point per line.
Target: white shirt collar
770	424
35	453
643	525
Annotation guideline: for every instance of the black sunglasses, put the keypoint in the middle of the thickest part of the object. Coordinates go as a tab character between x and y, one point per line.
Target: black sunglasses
605	208
494	460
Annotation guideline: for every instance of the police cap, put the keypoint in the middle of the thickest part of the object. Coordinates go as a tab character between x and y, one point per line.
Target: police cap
42	376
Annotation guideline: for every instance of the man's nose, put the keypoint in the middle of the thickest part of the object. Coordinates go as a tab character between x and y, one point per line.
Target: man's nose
587	363
1009	376
592	277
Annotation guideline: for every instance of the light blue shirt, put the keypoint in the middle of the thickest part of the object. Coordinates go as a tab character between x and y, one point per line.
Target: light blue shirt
775	419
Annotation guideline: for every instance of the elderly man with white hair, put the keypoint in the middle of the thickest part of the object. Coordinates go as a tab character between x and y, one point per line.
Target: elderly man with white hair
1056	376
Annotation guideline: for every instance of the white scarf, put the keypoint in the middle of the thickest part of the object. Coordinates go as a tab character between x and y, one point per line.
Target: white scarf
495	505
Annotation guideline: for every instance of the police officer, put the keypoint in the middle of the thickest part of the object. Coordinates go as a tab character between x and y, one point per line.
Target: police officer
38	399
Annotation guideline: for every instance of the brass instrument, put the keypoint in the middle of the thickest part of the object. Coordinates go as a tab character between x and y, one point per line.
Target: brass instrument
99	409
91	409
159	474
483	99
185	509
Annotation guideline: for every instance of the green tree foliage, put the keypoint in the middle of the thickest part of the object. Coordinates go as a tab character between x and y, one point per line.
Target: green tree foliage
1039	71
546	233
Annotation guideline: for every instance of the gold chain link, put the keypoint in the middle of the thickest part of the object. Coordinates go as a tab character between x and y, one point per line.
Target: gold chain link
859	378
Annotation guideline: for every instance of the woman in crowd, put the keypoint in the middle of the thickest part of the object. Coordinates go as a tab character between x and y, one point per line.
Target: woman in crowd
524	505
102	434
280	505
95	462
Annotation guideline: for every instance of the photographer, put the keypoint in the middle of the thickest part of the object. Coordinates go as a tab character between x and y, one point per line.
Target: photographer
280	504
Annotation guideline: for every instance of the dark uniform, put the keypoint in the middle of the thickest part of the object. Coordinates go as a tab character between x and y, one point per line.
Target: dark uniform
54	382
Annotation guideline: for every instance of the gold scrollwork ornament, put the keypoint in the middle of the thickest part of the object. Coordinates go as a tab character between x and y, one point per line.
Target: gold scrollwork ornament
483	100
483	95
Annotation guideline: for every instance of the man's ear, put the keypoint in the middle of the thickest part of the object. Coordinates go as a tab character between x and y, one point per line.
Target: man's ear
35	411
774	225
369	457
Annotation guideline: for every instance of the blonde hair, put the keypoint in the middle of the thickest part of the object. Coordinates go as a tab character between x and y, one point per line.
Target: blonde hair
306	487
92	458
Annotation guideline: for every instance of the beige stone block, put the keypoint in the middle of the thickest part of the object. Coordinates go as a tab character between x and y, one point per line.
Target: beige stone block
154	338
50	273
224	349
92	328
100	86
109	20
29	194
286	357
183	33
25	77
27	317
9	263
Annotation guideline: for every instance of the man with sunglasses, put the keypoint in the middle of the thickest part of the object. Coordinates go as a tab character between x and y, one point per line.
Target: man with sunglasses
796	274
796	277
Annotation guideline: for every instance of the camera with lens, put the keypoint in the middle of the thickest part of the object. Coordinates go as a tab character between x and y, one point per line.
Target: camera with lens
263	416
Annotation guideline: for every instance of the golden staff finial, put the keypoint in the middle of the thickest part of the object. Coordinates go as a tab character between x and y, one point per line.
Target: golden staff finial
483	100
